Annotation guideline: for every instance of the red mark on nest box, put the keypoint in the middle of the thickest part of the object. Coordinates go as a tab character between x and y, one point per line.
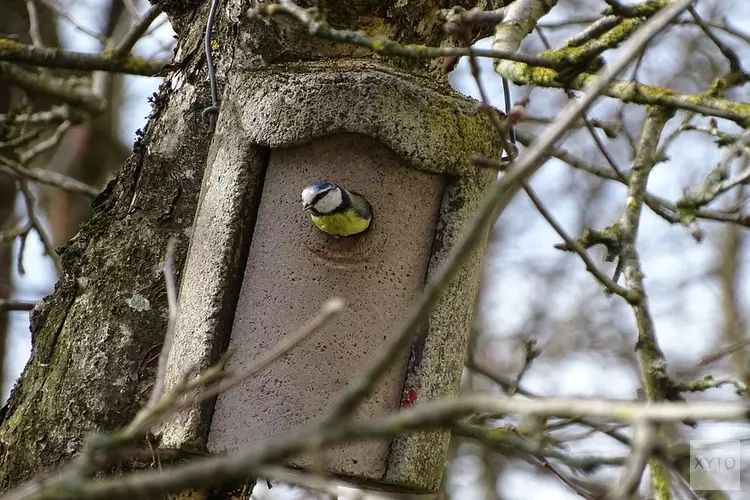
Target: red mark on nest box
409	398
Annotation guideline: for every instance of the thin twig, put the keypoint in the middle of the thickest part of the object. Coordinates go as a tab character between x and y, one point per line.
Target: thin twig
717	181
724	351
625	91
212	384
328	311
34	32
62	14
594	30
49	247
663	208
174	311
610	128
16	305
587	123
643	444
571	243
573	485
709	382
732	57
501	125
507	383
54	115
58	88
56	58
45	145
20	140
137	31
719	25
388	47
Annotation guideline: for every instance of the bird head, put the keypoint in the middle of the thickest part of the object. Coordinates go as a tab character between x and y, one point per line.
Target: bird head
322	197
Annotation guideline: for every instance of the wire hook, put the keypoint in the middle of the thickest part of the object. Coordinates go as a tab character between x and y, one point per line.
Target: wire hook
211	112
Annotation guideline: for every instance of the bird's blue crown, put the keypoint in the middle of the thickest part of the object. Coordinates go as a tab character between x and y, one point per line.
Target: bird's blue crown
322	185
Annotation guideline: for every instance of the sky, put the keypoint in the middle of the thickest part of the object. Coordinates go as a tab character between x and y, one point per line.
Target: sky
684	338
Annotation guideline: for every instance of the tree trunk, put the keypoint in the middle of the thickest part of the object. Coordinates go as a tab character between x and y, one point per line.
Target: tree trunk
97	337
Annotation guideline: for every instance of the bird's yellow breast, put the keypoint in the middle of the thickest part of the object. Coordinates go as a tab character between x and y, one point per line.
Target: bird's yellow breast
345	223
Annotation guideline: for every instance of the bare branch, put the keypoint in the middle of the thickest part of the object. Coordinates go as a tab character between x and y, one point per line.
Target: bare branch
591	267
15	52
34	33
718	180
709	382
527	70
330	308
45	145
58	88
720	353
15	305
48	177
645	440
653	363
49	247
384	46
732	57
596	29
56	114
663	208
64	15
589	123
215	381
136	32
235	467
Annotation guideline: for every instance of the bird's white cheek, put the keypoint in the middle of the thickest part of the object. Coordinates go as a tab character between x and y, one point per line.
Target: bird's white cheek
329	202
308	195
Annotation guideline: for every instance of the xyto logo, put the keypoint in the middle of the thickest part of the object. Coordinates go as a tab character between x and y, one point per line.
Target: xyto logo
714	464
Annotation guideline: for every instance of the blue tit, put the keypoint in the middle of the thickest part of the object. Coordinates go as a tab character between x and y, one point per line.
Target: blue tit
336	211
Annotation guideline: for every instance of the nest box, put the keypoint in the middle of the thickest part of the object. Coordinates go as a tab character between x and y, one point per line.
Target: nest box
257	268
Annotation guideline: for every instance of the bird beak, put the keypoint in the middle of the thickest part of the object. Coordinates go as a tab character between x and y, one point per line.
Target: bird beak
306	206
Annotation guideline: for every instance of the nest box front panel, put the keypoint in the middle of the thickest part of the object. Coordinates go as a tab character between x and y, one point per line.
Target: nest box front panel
293	267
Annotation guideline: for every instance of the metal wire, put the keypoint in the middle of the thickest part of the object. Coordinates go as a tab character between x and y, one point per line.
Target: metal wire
511	130
210	113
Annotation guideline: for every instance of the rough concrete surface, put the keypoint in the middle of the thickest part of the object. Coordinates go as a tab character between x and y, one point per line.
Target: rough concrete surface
293	268
208	293
430	126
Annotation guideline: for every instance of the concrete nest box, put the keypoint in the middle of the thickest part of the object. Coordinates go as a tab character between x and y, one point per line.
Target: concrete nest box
257	267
